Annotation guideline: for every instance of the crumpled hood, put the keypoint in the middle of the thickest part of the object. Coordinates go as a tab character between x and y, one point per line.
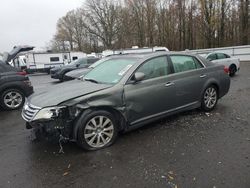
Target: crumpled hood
64	92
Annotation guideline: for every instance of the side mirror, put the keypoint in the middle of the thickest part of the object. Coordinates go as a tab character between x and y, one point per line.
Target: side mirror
139	76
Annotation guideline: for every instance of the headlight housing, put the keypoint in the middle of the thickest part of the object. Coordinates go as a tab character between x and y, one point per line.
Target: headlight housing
48	113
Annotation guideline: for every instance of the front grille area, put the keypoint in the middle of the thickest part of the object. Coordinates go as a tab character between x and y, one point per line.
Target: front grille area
29	111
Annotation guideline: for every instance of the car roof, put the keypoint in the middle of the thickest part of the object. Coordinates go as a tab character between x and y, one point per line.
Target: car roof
148	55
145	56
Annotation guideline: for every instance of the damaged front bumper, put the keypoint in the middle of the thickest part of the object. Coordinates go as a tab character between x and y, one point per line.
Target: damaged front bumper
51	130
50	123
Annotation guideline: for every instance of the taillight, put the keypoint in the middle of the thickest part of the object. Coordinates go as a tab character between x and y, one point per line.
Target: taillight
24	73
226	70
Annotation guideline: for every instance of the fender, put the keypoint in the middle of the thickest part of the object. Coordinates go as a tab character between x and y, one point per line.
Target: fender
14	84
86	109
210	81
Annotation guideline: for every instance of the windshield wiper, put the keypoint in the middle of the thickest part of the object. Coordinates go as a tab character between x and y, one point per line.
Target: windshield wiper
91	80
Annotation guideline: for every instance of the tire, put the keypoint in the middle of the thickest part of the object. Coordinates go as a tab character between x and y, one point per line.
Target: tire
96	130
12	99
232	70
209	98
63	77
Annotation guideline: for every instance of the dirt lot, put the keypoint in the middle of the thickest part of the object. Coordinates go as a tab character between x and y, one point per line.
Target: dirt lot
192	149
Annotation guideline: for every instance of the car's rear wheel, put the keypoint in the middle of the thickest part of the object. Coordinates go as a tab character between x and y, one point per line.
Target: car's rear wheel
12	99
232	70
210	98
96	130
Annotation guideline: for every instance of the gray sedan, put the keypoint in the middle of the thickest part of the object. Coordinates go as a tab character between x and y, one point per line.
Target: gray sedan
123	93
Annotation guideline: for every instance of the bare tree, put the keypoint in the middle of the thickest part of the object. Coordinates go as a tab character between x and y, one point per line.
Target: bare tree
101	20
244	20
176	24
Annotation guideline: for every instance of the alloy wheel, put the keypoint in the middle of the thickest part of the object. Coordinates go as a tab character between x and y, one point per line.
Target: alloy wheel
210	97
13	99
98	131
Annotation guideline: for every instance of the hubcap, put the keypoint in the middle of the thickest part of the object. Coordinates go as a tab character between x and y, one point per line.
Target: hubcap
99	131
13	99
210	97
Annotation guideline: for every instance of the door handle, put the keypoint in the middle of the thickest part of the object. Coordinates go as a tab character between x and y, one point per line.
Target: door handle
169	84
203	76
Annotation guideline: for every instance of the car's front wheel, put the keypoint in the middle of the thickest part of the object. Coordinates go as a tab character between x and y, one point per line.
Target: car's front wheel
210	98
12	99
96	130
63	77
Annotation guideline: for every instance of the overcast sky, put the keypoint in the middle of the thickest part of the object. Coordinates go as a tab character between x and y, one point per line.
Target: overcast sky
31	22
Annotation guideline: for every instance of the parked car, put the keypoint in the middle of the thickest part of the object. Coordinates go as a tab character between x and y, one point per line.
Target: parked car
14	87
123	93
233	64
75	74
78	73
60	72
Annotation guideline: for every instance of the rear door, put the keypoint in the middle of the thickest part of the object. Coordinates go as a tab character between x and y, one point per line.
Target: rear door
189	78
153	96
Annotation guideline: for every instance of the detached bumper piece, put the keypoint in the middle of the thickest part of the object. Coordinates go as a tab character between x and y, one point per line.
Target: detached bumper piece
51	131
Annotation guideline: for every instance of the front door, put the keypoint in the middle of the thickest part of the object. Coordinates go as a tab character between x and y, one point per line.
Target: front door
153	96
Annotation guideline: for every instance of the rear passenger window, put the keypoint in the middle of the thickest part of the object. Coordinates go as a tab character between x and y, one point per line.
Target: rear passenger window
183	63
221	56
212	57
155	67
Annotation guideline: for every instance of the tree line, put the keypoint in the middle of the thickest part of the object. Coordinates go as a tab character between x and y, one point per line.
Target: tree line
175	24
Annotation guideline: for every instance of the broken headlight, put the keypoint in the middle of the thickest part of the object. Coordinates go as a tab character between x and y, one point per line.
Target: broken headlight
48	113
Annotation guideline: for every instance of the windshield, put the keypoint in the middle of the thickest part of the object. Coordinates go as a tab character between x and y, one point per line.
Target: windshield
110	71
97	63
79	61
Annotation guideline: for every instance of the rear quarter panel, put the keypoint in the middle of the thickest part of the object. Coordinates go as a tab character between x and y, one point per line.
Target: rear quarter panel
217	76
227	62
15	81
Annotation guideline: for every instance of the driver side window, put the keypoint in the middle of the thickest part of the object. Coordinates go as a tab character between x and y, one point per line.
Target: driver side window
155	67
